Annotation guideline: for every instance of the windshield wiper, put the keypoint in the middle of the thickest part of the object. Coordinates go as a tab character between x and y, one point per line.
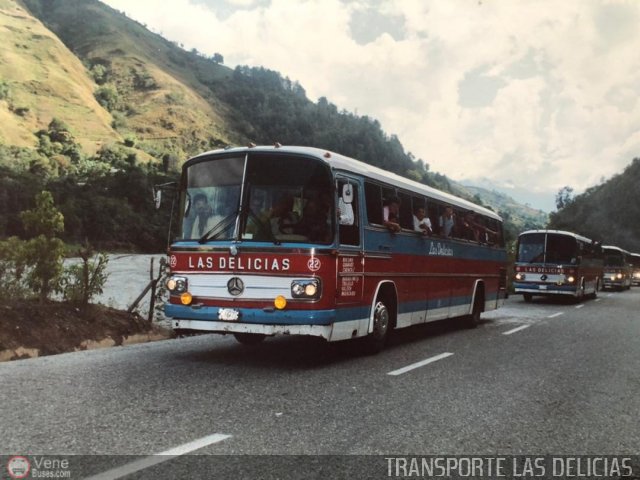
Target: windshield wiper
221	225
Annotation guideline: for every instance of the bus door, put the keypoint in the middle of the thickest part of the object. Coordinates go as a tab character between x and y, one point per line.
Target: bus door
350	276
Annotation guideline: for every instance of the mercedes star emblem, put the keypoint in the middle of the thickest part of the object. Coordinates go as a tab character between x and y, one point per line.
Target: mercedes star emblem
235	286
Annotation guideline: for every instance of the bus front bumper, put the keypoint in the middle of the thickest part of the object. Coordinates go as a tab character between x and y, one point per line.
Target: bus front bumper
541	289
202	326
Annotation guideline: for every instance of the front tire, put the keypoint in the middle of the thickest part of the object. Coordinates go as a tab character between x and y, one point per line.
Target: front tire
249	339
375	341
527	297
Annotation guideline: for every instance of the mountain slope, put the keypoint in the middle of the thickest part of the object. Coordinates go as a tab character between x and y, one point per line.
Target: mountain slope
44	80
609	212
152	86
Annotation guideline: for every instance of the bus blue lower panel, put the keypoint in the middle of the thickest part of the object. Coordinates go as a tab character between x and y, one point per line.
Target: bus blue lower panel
310	317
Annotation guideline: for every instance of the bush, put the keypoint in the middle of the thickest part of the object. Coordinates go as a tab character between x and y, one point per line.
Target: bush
82	281
108	97
99	73
4	90
119	121
12	268
130	141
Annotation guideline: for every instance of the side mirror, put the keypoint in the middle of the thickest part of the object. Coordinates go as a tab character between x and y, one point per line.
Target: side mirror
347	193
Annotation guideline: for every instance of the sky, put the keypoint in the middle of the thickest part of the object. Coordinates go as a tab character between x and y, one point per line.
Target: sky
525	97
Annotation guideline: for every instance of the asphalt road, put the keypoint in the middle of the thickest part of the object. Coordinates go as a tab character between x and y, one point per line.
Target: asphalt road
549	377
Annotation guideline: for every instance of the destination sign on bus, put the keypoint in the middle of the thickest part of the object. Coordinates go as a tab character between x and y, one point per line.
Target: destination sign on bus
262	263
547	270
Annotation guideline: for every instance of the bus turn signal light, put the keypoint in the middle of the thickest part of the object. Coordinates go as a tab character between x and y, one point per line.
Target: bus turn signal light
280	302
186	298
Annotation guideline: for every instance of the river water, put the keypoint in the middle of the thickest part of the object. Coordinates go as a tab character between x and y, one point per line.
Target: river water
128	275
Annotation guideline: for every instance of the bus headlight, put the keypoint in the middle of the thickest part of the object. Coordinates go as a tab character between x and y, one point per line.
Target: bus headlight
520	276
177	284
570	279
309	288
619	276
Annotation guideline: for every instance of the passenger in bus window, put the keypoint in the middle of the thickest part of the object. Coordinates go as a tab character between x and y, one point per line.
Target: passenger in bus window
470	227
391	214
421	222
446	222
205	220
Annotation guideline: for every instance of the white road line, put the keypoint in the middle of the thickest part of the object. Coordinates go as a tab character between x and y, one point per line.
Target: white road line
609	294
580	306
170	454
517	329
597	300
557	314
422	363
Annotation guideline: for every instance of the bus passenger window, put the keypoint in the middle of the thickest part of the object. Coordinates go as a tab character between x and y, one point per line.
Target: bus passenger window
373	198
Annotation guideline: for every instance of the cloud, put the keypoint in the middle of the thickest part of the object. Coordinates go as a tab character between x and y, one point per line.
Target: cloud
537	94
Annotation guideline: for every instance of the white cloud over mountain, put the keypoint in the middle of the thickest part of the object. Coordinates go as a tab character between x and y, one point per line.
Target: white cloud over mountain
530	94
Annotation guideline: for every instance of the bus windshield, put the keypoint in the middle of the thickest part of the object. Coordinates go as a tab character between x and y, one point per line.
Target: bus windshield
258	198
613	259
547	248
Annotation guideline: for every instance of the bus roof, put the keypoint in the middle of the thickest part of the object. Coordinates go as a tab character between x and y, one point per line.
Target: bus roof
346	164
559	232
613	247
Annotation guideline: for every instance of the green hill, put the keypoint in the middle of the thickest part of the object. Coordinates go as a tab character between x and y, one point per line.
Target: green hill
609	212
43	80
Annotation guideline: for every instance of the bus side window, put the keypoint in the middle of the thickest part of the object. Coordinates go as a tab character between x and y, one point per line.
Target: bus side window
373	199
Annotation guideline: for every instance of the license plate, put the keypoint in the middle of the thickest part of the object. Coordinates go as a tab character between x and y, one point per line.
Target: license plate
228	314
543	287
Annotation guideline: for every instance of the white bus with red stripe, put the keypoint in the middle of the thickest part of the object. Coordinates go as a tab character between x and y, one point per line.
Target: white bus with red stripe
292	241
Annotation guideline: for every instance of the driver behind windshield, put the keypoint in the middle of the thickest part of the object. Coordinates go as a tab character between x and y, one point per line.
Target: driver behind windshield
205	220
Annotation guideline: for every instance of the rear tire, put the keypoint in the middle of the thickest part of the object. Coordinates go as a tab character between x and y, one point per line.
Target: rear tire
249	339
375	341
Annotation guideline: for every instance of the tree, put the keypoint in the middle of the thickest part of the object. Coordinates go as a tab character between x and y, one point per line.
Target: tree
217	58
43	253
564	197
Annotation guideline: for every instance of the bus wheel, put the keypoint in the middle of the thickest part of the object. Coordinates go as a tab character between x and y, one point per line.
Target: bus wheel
473	320
249	338
527	297
374	342
594	294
